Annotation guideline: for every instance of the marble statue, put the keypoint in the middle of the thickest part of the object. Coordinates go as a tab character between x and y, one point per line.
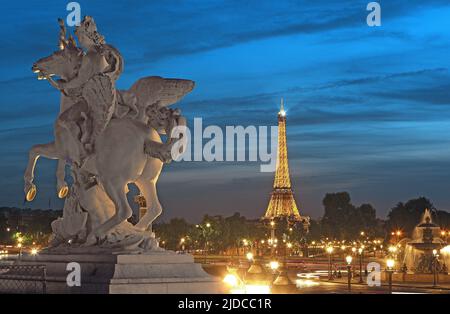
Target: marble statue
108	138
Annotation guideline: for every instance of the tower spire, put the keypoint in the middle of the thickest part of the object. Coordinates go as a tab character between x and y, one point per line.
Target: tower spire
282	112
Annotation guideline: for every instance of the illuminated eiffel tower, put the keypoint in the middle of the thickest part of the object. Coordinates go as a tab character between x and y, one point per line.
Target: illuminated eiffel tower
282	202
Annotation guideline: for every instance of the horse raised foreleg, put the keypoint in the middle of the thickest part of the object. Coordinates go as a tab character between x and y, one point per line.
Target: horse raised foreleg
46	150
61	185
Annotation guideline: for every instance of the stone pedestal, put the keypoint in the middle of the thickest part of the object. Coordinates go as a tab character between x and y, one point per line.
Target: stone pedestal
153	272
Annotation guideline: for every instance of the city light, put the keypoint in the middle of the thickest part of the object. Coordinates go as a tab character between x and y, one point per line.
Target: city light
349	259
250	256
274	265
392	249
446	250
208	225
329	250
231	280
390	263
34	251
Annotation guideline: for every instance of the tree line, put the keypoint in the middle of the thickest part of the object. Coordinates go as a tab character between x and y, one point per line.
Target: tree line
341	220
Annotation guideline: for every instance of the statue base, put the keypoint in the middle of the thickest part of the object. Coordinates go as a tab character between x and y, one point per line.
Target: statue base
159	272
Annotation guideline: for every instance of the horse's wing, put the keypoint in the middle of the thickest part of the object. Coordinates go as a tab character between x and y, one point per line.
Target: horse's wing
154	89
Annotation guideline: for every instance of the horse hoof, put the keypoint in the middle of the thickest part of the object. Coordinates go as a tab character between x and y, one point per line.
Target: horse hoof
62	193
31	193
90	240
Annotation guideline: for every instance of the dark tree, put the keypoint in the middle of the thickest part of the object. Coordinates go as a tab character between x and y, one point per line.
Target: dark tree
405	216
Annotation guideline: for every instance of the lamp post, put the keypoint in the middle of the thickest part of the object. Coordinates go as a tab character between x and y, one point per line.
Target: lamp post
390	263
360	252
182	241
435	274
205	235
330	272
349	259
20	245
272	237
274	265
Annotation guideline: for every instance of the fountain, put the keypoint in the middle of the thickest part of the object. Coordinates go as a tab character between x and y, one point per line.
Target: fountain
418	254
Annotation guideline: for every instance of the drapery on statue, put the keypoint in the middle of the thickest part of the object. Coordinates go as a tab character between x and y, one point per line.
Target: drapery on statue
109	138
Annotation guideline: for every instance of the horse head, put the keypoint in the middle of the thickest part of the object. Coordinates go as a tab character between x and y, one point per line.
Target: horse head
63	63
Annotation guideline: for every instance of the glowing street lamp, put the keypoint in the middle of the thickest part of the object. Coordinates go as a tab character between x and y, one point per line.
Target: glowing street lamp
182	242
392	249
274	265
390	263
249	256
360	252
330	271
231	280
435	261
349	259
34	251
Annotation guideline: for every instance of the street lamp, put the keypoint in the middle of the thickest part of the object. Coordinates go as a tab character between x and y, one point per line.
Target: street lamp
360	252
249	256
349	259
205	235
330	272
435	260
272	236
182	241
390	263
274	265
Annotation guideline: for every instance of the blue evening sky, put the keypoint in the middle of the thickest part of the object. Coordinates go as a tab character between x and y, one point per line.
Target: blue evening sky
368	107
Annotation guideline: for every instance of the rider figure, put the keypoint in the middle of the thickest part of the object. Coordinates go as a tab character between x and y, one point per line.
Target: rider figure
93	87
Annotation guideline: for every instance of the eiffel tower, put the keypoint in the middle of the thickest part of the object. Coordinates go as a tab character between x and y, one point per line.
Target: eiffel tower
282	202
